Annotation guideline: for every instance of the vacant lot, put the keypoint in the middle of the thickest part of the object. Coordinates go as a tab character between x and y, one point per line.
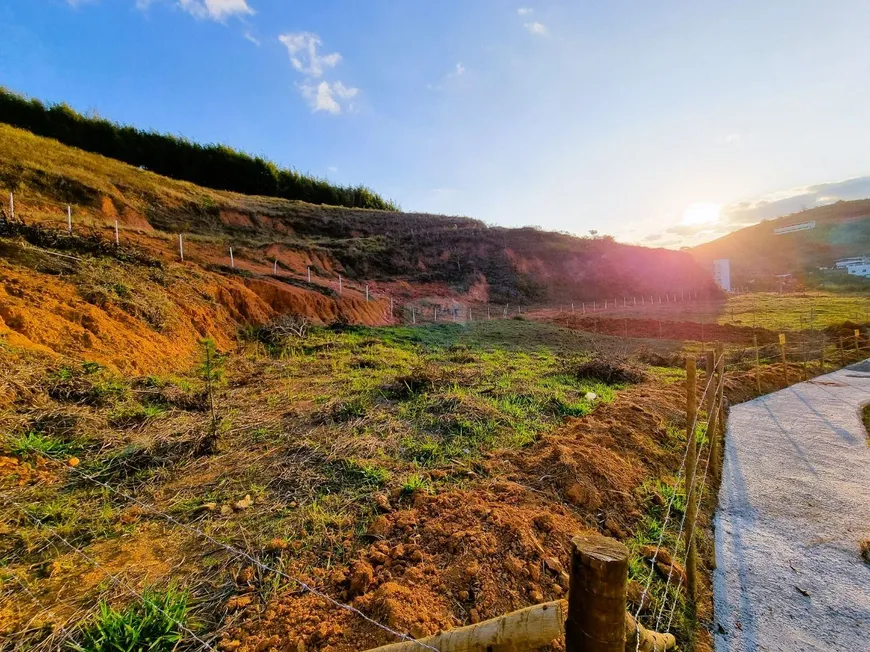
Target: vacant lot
430	476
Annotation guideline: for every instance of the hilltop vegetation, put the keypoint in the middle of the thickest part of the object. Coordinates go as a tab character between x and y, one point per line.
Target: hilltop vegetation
758	255
214	166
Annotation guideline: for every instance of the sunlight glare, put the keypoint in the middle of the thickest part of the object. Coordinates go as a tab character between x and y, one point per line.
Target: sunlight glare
701	213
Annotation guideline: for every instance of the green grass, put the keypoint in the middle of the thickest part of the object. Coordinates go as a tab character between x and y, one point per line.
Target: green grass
440	393
151	623
767	310
34	444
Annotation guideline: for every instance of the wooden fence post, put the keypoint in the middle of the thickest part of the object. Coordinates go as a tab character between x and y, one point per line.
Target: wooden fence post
720	409
784	361
842	354
822	361
691	459
757	365
716	438
596	598
858	342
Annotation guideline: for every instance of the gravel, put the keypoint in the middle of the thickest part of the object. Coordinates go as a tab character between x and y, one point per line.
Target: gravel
793	507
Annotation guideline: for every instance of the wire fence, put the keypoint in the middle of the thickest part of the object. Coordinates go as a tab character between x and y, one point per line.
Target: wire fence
688	476
305	586
240	258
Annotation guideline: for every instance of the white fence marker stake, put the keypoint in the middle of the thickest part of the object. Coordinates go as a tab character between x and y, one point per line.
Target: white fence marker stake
584	307
413	316
275	266
436	314
180	247
68	218
117	235
367	291
232	260
12	205
309	275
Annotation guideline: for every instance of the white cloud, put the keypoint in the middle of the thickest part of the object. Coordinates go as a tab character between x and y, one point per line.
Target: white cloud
525	11
212	9
332	168
458	71
302	48
250	37
328	97
536	28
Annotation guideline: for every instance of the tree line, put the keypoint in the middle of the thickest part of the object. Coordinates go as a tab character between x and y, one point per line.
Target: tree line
214	166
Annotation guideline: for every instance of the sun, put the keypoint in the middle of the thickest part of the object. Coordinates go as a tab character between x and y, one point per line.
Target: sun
701	213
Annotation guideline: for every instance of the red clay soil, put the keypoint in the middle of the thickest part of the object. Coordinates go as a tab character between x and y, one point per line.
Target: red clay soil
499	544
49	313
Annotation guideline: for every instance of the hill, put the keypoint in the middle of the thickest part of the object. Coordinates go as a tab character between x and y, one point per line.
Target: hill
214	166
758	254
418	262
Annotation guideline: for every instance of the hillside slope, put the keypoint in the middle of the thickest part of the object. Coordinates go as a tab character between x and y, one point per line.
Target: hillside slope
518	265
757	254
83	306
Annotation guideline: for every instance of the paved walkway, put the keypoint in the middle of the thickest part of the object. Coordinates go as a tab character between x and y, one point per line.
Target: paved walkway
793	506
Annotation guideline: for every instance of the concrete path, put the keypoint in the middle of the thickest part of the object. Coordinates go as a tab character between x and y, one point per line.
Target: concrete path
793	507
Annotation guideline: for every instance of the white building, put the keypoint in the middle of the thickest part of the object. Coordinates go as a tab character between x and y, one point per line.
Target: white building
859	270
846	263
722	273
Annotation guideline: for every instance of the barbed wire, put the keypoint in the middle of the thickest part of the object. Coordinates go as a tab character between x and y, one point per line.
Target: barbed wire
689	496
240	553
45	609
118	580
692	530
690	432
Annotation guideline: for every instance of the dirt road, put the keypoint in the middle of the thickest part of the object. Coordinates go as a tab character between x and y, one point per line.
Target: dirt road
793	507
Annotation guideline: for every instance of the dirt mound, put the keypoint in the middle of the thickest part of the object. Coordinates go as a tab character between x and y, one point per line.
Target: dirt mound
610	372
612	324
440	562
470	554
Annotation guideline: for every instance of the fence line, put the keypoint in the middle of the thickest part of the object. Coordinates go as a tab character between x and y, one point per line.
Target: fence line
690	434
108	573
240	553
67	634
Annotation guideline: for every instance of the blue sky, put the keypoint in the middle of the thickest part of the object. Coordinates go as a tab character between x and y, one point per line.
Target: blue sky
572	115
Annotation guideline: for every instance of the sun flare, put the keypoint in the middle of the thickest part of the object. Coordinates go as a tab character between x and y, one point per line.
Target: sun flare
701	213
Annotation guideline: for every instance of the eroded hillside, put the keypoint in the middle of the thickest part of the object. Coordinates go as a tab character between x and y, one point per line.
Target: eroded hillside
455	254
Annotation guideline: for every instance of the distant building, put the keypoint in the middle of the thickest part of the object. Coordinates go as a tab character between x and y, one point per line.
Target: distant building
845	263
722	273
862	269
803	226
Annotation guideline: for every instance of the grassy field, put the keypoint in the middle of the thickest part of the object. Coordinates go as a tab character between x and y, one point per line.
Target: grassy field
316	443
771	311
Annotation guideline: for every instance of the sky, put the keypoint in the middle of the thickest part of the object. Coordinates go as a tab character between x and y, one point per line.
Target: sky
661	123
